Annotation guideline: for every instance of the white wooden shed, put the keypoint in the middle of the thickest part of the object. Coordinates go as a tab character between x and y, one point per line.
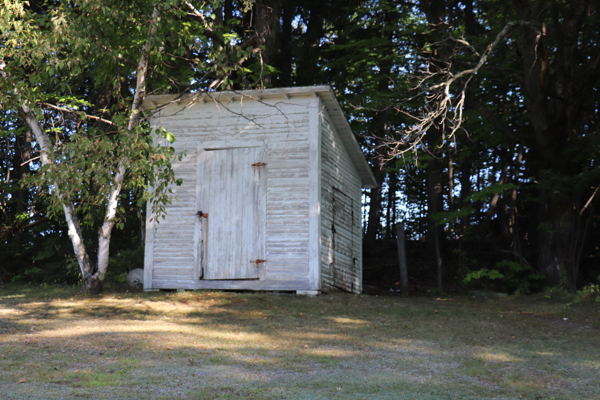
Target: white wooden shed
271	198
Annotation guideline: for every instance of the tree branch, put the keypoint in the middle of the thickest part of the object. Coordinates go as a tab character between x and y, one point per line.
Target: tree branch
73	111
105	230
72	221
442	107
208	30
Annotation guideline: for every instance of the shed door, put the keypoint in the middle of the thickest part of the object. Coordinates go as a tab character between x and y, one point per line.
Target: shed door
232	194
343	241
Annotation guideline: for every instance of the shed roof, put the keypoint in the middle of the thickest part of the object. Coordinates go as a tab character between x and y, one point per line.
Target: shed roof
325	93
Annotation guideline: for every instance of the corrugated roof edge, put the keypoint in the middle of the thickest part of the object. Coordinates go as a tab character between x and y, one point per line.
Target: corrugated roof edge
324	92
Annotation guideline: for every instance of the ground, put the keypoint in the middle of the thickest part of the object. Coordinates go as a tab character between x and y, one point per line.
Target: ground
58	344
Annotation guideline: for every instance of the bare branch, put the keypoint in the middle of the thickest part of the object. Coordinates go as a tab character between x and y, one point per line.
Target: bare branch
73	111
589	201
444	109
30	160
207	28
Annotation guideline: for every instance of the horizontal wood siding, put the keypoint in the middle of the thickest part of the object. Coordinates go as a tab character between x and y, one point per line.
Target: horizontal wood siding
341	234
281	128
173	247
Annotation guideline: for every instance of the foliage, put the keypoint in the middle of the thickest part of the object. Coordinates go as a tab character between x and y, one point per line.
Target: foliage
520	177
590	291
507	276
511	152
124	260
83	68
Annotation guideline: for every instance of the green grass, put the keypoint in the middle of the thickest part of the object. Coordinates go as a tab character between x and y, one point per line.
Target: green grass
56	343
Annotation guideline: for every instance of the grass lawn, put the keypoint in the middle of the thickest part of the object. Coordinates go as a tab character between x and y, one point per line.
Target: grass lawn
58	344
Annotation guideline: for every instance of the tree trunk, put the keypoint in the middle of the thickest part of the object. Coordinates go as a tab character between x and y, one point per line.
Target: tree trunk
435	11
391	206
512	216
402	259
227	10
93	276
554	107
558	258
268	29
487	223
23	152
374	221
104	233
308	69
434	202
75	234
285	53
465	192
450	182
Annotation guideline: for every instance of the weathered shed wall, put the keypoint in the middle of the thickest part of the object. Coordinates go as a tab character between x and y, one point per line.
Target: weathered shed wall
271	196
282	129
341	235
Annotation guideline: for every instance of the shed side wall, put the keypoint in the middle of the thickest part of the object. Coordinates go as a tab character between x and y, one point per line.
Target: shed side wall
341	233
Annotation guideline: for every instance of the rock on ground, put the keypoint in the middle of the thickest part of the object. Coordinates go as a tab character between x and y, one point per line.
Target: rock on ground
135	278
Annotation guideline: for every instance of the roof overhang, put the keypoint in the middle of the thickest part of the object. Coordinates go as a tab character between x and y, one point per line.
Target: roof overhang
325	93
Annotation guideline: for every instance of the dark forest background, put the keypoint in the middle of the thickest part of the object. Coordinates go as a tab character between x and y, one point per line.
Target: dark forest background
479	118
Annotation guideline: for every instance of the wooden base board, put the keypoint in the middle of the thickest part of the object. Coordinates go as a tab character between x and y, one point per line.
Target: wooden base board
293	285
309	293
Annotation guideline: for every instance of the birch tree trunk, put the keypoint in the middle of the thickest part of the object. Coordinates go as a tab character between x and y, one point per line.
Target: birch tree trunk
93	276
74	232
105	230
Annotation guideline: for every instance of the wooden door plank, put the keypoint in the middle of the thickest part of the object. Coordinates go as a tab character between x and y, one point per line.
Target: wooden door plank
231	214
234	195
199	220
241	198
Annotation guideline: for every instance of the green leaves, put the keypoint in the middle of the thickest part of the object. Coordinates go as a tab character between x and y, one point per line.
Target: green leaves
170	137
489	191
483	273
508	275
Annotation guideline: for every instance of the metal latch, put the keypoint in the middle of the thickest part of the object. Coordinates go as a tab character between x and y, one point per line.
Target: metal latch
201	214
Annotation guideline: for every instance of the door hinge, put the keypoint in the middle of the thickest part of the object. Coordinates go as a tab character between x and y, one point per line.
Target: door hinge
259	164
258	261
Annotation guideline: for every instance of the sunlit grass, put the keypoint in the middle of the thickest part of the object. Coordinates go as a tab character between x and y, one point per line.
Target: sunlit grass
220	345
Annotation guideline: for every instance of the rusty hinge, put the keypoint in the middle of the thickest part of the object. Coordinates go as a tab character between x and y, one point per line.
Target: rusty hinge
259	164
201	214
258	261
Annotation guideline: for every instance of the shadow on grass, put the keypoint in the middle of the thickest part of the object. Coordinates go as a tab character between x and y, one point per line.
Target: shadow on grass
237	345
